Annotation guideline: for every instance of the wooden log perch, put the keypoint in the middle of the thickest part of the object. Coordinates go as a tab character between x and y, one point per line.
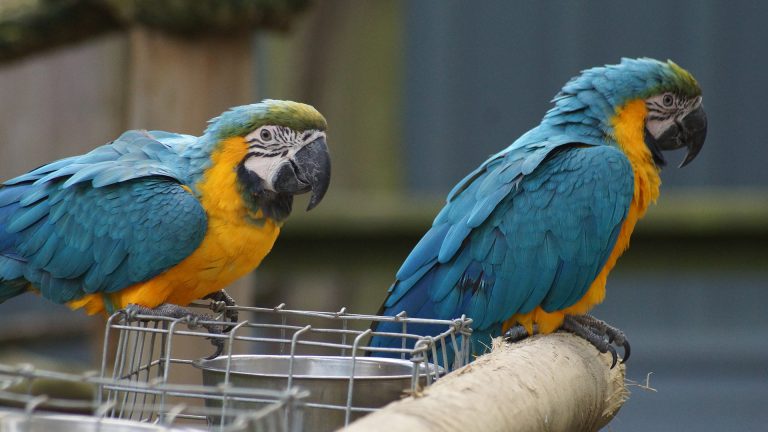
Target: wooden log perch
557	382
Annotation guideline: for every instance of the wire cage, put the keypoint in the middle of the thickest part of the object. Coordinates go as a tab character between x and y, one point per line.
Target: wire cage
276	349
37	400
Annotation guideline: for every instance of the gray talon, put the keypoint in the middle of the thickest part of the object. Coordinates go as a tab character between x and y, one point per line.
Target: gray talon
614	355
219	345
627	351
218	306
599	334
130	312
222	302
518	333
190	318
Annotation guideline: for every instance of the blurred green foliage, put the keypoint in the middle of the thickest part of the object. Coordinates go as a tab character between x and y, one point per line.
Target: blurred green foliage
195	17
29	26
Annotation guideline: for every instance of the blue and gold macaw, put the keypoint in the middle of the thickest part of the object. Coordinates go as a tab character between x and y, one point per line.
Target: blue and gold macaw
526	241
157	219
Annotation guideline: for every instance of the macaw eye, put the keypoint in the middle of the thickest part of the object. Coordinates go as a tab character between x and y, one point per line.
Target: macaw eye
265	134
668	100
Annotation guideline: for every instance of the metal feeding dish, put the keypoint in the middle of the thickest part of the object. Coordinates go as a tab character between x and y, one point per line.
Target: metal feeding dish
289	370
332	381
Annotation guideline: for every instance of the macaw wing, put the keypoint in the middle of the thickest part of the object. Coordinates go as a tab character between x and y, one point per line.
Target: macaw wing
71	232
508	241
135	154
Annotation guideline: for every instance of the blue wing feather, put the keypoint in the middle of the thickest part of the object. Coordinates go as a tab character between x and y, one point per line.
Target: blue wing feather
533	226
80	225
423	251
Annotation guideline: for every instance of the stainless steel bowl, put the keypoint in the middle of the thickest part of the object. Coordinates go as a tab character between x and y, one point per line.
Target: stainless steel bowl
378	381
18	421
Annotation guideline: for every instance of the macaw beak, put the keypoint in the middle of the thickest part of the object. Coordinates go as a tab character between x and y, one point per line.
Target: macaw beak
307	170
694	133
689	132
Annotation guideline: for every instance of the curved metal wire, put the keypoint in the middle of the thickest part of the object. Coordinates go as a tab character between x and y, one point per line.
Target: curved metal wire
151	371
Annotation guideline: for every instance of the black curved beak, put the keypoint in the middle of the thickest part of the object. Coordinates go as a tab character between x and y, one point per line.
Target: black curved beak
308	170
689	132
694	133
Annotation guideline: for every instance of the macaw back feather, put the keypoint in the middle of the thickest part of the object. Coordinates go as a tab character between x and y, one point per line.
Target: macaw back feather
98	222
507	242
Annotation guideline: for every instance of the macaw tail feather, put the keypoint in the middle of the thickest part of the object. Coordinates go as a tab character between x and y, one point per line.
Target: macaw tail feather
417	304
12	282
12	288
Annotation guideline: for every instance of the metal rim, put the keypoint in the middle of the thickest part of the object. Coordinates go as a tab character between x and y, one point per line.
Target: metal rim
203	364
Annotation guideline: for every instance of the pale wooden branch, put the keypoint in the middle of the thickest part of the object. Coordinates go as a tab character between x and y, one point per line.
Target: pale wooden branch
557	382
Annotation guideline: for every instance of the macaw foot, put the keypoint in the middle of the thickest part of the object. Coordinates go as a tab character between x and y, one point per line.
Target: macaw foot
518	333
599	334
192	319
221	302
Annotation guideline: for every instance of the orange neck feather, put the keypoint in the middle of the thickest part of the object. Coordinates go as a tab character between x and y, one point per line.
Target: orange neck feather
628	131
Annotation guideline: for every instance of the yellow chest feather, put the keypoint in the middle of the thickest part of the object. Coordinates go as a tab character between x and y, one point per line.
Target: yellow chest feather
628	128
234	244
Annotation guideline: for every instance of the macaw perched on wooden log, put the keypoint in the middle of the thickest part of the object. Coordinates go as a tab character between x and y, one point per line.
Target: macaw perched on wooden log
157	219
526	241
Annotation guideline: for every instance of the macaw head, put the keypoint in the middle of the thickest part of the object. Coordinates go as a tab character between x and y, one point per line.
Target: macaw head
284	153
674	115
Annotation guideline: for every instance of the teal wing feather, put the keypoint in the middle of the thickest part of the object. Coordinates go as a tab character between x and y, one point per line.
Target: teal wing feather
516	234
98	222
135	154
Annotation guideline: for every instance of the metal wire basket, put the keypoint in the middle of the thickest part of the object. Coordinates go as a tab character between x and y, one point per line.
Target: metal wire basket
277	349
31	402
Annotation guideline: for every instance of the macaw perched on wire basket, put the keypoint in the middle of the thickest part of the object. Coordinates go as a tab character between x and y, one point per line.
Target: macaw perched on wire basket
526	241
155	220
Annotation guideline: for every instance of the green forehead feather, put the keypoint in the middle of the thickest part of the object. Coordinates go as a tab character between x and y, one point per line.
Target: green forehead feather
683	81
295	115
244	119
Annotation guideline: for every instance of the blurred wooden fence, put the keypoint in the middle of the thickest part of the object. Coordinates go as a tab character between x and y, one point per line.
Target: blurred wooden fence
70	100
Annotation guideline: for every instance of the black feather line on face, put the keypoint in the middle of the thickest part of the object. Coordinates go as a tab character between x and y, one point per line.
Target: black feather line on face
274	205
262	154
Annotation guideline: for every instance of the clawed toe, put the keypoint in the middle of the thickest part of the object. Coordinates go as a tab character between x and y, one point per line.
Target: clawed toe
219	345
221	302
627	351
614	355
616	336
517	333
193	320
601	335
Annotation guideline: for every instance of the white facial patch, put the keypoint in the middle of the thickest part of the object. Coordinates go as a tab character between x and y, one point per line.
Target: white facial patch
264	167
657	127
270	146
663	111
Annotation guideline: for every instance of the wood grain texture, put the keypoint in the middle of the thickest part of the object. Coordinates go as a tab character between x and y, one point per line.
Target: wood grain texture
557	382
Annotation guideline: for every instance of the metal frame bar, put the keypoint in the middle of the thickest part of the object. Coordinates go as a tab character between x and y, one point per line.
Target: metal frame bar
134	360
